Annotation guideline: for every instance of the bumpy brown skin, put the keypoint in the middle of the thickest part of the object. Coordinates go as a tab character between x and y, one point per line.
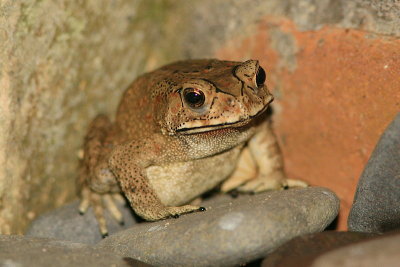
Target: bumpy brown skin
163	151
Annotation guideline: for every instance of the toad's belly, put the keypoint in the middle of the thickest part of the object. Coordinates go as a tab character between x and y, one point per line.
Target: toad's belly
178	183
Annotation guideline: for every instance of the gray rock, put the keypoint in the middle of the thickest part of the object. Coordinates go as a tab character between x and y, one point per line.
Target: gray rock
19	251
376	205
231	231
303	250
381	251
66	223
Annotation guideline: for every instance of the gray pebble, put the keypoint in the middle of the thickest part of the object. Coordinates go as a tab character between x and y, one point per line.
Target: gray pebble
67	224
21	251
376	206
230	232
303	250
380	251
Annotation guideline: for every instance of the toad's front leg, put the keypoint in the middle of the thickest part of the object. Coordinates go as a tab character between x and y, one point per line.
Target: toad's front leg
266	153
128	163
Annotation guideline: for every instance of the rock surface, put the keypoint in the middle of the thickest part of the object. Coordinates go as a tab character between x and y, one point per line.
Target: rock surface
61	63
381	251
231	231
20	251
302	250
66	223
376	205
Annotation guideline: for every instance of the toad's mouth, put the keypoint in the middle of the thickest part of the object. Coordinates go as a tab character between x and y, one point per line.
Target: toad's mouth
215	127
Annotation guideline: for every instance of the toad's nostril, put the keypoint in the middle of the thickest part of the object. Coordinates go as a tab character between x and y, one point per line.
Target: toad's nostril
269	98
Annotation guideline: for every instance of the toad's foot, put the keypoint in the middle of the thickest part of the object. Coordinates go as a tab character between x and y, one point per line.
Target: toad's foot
168	212
89	197
263	183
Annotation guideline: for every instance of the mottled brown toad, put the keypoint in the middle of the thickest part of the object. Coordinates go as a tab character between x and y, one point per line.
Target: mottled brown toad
180	131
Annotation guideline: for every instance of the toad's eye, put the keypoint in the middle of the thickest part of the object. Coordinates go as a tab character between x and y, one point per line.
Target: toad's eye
194	97
260	77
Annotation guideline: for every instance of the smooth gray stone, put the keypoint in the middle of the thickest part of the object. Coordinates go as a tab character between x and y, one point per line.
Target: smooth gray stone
379	251
376	205
303	250
231	231
20	251
66	223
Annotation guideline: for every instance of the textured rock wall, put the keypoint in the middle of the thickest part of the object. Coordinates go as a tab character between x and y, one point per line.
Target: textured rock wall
333	65
61	63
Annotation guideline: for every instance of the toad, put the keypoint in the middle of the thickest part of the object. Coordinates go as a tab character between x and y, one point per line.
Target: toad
179	132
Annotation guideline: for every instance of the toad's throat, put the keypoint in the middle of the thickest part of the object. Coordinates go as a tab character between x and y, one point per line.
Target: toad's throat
214	127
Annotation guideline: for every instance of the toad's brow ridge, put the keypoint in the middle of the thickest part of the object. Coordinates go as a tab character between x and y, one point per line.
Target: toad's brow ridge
217	89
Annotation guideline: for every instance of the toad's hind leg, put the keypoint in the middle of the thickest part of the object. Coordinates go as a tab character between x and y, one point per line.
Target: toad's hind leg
266	153
97	183
97	201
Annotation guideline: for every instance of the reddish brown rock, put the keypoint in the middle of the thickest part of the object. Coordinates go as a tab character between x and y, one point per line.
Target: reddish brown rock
336	89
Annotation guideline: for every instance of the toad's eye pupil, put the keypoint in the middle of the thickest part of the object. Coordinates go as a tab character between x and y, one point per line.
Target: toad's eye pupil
194	97
260	77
